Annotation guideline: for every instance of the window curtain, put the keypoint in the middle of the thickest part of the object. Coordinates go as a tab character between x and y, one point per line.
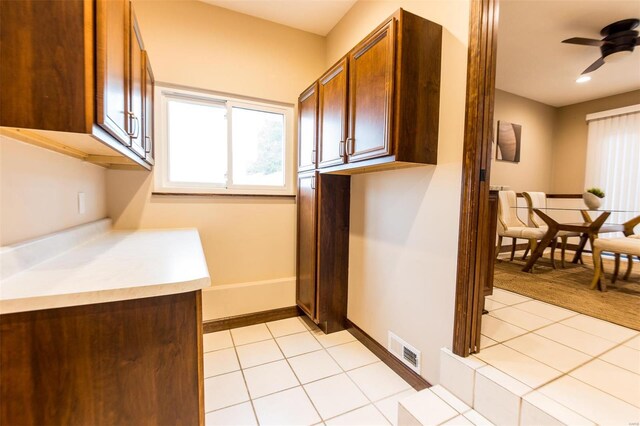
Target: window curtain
613	160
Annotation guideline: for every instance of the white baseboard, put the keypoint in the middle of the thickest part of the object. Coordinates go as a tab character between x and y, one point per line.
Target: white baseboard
244	298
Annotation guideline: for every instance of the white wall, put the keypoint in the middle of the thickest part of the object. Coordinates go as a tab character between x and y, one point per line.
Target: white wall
404	223
249	242
39	191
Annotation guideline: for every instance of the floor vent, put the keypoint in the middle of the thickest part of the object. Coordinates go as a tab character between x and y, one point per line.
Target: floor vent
406	353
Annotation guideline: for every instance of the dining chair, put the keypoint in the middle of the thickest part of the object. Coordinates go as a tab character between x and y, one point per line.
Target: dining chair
538	200
623	245
510	225
629	263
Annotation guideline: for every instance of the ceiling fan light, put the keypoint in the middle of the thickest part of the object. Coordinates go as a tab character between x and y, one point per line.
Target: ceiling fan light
583	79
617	56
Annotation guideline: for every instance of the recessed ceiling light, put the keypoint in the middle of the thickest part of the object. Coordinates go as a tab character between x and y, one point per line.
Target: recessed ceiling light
583	79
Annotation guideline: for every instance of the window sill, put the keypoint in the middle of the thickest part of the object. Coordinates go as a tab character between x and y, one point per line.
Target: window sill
215	195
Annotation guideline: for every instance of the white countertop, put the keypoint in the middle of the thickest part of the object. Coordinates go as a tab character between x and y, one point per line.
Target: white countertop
116	265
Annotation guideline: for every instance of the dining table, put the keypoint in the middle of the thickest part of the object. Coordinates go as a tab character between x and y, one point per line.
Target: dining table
588	229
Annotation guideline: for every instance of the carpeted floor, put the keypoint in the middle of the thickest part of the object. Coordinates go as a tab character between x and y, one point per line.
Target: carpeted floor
569	288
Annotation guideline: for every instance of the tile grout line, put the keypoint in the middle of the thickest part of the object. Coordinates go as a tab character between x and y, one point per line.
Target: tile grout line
561	323
296	376
244	379
571	408
536	389
345	372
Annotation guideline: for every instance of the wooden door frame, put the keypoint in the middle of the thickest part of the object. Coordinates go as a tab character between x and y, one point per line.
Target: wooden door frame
481	67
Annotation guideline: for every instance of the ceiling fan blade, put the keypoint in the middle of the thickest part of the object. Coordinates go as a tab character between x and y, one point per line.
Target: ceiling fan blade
584	41
594	66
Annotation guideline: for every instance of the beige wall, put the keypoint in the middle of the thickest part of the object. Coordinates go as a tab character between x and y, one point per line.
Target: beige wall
39	191
538	121
570	148
199	45
404	223
249	242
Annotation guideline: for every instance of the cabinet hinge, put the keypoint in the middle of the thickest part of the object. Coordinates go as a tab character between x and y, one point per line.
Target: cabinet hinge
483	175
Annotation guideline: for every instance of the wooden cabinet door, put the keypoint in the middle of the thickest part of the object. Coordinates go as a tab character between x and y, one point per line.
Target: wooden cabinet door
147	113
112	67
136	73
307	128
371	78
307	247
332	129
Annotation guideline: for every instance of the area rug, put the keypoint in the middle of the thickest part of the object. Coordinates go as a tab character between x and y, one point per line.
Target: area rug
569	288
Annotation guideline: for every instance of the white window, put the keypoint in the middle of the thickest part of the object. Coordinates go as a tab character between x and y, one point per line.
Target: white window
613	156
209	143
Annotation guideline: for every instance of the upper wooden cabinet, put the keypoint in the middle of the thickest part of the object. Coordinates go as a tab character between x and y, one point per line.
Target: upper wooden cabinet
72	74
379	106
307	128
332	115
371	79
148	110
112	67
136	95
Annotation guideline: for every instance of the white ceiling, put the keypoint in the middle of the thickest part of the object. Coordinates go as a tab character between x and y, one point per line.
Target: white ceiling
532	62
314	16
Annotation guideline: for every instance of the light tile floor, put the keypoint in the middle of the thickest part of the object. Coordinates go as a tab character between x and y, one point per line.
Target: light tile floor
587	365
284	372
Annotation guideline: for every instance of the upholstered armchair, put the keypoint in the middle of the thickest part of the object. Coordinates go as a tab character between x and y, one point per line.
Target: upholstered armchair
510	225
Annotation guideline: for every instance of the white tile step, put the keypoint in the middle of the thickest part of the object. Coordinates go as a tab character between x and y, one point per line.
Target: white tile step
491	396
437	406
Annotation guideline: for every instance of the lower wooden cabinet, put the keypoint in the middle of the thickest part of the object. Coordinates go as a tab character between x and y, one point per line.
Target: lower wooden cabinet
323	248
130	362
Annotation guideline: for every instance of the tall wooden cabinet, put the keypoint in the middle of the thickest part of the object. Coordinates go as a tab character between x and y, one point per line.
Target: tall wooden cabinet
72	75
307	243
323	248
377	108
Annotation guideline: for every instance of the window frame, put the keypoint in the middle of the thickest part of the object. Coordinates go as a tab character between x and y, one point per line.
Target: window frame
162	184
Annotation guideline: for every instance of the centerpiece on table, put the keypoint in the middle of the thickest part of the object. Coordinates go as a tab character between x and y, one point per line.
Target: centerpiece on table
593	198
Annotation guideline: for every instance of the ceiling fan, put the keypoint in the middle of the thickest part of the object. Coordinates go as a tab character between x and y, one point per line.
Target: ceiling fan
619	40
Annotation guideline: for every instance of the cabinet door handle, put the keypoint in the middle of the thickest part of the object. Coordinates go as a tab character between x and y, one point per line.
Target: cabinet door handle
137	132
147	144
130	133
350	146
313	182
313	156
341	149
